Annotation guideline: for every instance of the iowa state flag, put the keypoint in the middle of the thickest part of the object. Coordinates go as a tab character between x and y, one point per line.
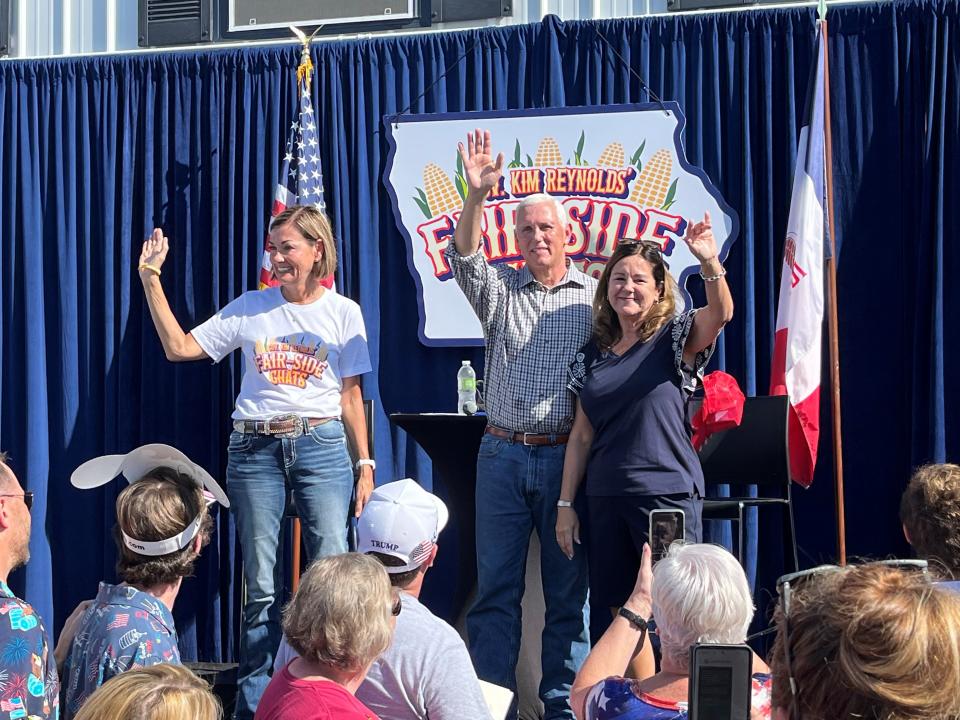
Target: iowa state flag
796	350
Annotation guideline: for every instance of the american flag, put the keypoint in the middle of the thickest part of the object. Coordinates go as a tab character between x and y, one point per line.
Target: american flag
301	179
120	621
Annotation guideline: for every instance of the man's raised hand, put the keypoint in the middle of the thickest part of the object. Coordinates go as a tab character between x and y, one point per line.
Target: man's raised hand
480	170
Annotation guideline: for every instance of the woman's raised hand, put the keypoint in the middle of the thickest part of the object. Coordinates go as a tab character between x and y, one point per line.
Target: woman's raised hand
700	239
154	252
479	169
641	599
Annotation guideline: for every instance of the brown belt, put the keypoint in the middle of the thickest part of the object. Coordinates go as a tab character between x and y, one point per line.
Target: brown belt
528	438
285	426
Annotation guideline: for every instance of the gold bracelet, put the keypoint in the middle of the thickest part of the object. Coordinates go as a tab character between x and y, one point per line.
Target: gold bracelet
148	266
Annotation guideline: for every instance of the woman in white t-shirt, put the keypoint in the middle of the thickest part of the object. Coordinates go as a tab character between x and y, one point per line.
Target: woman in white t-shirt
304	349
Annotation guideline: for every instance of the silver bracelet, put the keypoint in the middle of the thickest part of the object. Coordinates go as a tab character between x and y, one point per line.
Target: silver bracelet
713	278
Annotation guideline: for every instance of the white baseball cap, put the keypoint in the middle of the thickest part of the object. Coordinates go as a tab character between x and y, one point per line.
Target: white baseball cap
137	463
402	520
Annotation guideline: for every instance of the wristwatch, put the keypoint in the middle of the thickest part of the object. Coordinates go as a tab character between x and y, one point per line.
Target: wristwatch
564	503
366	461
631	617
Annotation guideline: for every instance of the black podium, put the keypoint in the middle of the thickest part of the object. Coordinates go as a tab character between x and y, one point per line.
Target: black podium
452	442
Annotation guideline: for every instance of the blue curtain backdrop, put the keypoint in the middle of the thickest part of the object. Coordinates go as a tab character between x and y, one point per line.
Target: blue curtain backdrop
96	151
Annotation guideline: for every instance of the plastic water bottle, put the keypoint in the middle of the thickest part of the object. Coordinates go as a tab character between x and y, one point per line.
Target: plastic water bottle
466	389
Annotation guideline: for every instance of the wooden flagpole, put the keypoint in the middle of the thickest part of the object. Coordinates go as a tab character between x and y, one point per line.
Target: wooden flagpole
833	333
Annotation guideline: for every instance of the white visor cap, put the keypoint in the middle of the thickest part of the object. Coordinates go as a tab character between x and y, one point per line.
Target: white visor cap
137	463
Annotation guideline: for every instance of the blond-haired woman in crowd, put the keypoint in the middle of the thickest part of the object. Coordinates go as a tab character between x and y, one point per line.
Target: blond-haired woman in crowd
304	349
161	692
870	641
339	621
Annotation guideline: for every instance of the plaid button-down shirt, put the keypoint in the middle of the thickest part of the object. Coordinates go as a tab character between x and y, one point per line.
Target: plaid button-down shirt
532	333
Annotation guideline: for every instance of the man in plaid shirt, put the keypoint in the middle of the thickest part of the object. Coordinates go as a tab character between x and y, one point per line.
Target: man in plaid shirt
534	321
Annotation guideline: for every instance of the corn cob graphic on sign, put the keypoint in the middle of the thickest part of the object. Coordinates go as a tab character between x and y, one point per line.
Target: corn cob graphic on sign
650	188
548	153
441	194
617	172
612	156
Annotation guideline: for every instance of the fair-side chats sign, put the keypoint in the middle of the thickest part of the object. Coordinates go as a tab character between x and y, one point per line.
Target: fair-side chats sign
619	171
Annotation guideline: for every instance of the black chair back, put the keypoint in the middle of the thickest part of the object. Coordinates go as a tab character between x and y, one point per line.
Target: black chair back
753	453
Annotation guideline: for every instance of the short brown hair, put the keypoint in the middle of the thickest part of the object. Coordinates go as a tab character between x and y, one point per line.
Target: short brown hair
159	692
870	641
340	614
315	227
930	512
159	506
606	324
401	579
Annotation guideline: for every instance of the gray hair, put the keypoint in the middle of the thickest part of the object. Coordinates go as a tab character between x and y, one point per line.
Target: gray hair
700	594
340	614
539	199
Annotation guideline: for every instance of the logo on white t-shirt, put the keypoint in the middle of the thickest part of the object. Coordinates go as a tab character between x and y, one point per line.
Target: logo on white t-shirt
291	361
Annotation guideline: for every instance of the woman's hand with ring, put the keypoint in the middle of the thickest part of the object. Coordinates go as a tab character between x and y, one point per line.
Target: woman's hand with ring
568	530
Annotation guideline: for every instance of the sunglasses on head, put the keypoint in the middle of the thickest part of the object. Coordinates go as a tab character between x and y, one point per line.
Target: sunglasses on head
787	584
651	245
27	497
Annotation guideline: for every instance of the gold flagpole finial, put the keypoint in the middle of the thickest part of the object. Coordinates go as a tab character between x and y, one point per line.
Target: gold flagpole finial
305	69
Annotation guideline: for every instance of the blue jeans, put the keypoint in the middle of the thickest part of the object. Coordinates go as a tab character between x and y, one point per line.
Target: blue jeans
517	491
317	469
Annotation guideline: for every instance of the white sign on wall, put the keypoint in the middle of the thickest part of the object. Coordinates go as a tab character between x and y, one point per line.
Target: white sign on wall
619	171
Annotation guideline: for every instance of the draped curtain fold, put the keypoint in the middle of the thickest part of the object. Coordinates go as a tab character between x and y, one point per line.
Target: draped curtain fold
99	150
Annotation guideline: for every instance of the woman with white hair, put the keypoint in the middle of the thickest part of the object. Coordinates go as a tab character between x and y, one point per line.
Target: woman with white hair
339	621
697	593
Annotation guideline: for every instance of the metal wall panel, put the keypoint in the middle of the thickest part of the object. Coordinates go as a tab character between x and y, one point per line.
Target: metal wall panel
42	28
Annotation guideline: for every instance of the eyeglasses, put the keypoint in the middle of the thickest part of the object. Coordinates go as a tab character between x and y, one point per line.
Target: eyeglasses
27	498
397	606
786	585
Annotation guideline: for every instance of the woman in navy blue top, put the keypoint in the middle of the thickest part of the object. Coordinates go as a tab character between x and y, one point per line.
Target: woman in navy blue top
630	438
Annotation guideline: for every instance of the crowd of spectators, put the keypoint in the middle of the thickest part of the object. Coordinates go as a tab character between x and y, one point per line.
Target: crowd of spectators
874	640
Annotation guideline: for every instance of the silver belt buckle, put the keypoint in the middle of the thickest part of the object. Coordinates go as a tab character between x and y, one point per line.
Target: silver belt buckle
296	432
525	438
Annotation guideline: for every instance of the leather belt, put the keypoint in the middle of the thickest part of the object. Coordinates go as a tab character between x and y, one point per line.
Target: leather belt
528	438
281	426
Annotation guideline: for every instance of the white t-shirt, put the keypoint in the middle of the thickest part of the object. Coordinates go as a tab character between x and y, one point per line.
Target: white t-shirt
295	356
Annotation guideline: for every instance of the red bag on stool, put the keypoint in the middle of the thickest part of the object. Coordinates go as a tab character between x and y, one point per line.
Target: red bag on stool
722	407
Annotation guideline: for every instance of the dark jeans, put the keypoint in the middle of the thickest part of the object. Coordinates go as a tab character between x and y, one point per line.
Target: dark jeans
517	491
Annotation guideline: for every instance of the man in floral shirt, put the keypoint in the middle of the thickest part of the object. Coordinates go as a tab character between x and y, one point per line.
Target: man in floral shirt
162	522
28	672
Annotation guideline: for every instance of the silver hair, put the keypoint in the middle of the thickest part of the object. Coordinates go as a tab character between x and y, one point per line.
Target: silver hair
700	594
340	615
540	198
